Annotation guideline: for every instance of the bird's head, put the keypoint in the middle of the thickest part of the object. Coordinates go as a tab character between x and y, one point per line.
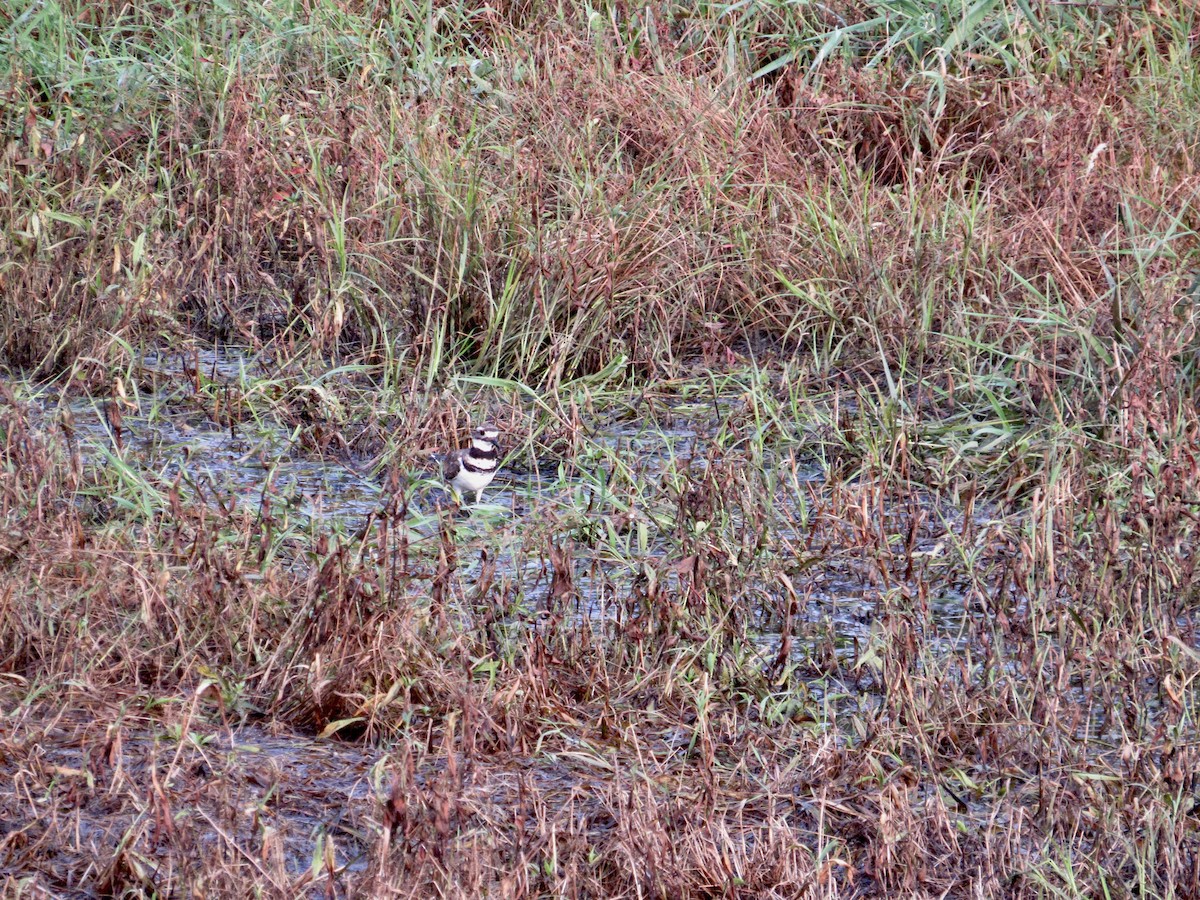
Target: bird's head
486	434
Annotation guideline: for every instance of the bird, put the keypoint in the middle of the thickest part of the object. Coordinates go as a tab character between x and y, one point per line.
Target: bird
473	468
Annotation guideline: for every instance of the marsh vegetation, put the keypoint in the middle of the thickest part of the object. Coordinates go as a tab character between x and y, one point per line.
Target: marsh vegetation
845	356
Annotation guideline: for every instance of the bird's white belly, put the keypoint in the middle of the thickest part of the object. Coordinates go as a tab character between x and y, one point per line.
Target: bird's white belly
472	481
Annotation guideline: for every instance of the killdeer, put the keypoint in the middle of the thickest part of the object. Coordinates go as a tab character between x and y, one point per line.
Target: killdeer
474	467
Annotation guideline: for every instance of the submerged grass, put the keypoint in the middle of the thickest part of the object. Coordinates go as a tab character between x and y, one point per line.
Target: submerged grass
846	359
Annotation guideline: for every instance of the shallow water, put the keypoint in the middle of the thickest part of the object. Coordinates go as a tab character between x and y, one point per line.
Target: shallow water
310	790
167	436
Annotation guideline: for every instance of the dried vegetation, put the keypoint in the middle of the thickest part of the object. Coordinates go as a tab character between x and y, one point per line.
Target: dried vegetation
938	251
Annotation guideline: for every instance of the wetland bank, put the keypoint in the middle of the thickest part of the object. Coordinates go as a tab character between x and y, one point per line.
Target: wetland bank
845	359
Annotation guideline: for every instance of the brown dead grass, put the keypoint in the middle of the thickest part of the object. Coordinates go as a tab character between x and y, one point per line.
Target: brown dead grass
600	758
483	742
638	209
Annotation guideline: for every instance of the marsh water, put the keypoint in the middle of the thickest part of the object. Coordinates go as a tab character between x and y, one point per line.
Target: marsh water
262	466
258	463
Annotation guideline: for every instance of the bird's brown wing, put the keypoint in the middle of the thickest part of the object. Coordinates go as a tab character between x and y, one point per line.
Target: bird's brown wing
450	464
